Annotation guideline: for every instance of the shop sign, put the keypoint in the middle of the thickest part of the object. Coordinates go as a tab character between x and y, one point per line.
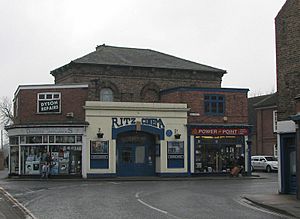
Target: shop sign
126	121
49	106
47	130
220	131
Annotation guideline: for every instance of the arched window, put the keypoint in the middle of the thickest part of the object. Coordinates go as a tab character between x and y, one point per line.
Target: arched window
106	95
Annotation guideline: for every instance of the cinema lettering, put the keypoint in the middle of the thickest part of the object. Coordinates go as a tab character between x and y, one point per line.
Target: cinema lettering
49	106
150	125
126	121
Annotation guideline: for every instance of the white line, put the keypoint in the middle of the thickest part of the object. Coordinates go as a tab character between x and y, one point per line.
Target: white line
18	204
115	183
154	208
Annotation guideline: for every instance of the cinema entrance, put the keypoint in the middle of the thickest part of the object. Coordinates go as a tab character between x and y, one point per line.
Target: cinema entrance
135	154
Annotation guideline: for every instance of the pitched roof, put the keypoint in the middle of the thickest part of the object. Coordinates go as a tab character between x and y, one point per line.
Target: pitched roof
121	56
268	100
258	102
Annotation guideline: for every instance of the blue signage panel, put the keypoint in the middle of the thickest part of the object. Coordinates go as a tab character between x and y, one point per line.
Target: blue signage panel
99	155
175	154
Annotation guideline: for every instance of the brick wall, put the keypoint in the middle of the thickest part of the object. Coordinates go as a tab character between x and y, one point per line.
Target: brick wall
288	57
72	100
236	104
133	84
265	137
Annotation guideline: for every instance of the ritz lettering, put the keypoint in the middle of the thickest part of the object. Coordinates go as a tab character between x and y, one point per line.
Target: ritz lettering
125	121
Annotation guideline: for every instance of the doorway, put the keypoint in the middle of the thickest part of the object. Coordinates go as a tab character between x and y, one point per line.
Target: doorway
135	154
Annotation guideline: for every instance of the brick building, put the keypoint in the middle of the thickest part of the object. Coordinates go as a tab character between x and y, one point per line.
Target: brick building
288	79
262	114
48	118
135	75
141	112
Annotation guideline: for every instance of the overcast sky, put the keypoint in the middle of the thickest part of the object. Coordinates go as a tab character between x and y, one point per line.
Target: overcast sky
235	35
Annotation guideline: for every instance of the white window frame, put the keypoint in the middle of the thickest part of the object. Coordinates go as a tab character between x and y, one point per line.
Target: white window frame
45	98
275	121
275	149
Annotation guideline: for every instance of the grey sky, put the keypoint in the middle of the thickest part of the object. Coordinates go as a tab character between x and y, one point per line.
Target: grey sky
234	35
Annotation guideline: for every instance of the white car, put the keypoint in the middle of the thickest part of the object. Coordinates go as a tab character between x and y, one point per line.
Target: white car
267	163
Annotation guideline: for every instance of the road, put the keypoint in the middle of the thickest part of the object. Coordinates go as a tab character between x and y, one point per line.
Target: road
204	198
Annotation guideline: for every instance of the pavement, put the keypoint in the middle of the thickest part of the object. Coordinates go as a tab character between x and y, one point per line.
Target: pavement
283	204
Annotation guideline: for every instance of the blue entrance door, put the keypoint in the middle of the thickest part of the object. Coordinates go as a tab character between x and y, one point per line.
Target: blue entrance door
291	170
136	155
288	169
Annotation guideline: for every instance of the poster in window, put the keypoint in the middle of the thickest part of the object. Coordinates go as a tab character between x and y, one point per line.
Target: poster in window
99	147
175	147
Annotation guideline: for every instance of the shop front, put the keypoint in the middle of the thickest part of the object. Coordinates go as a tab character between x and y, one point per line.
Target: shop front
217	149
30	146
136	139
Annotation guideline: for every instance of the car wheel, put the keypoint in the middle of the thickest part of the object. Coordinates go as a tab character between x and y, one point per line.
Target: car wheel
268	169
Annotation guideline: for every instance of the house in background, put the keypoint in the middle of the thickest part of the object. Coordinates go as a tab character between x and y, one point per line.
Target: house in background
262	114
287	24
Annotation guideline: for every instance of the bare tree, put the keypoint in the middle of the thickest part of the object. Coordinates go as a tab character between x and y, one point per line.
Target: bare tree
6	113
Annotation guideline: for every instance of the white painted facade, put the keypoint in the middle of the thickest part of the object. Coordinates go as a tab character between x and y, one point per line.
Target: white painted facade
100	115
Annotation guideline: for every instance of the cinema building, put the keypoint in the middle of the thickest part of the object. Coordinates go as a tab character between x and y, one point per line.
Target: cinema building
129	112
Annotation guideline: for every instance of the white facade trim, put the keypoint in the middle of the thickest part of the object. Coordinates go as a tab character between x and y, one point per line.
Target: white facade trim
49	86
287	126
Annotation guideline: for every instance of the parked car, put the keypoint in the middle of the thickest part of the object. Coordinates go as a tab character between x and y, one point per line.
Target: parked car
267	163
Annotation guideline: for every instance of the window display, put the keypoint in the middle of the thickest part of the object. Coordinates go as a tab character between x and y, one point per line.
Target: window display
31	158
217	153
65	152
65	159
14	159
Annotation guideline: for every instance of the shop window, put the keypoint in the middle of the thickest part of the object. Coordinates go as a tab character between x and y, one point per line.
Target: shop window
32	158
65	160
106	95
65	139
79	139
33	139
217	153
14	140
214	104
14	159
48	102
51	139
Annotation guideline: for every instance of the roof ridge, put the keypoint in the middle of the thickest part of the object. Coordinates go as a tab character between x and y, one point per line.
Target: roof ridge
268	96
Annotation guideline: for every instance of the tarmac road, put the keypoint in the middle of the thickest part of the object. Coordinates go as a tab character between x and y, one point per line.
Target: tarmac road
203	198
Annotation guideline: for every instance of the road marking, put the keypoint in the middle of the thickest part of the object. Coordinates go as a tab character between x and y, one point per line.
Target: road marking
16	203
33	200
152	207
115	183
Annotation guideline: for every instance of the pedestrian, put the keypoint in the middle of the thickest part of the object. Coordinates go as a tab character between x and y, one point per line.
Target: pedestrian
6	162
45	171
49	163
